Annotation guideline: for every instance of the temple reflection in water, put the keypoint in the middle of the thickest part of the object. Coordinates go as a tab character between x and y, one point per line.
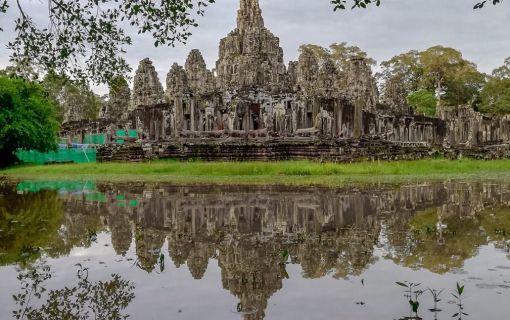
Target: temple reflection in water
253	233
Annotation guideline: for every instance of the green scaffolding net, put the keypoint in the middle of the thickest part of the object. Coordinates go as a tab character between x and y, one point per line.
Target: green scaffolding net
101	138
125	133
95	139
62	156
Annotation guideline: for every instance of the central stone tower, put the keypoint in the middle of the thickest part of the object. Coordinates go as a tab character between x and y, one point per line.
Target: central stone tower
250	57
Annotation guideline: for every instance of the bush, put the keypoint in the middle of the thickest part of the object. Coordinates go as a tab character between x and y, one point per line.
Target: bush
27	119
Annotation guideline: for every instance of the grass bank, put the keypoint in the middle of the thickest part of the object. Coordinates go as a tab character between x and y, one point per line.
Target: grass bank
282	172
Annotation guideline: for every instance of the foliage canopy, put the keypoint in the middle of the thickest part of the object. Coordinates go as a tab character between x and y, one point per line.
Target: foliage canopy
495	95
27	119
75	100
438	69
87	39
353	4
423	101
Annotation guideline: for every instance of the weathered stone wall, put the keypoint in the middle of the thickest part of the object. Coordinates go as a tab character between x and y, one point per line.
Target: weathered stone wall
351	150
467	127
274	149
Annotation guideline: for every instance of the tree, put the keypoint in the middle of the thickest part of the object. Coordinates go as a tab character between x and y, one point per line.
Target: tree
86	39
503	71
438	69
495	95
405	70
447	73
343	4
27	119
423	101
75	100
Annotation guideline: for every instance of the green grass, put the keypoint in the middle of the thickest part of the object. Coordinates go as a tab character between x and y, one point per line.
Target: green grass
283	172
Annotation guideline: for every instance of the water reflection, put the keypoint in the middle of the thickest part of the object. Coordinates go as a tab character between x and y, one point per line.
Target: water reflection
255	233
85	300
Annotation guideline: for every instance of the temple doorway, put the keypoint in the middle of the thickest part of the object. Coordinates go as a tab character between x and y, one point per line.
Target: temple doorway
255	117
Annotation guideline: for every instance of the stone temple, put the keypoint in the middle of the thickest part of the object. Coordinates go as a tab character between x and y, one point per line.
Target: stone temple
254	106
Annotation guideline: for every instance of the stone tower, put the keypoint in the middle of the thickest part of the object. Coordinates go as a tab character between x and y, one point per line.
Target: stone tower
361	90
200	79
250	56
177	92
307	73
361	84
147	89
249	15
119	101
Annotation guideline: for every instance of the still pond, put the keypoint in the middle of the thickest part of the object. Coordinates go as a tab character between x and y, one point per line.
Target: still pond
81	250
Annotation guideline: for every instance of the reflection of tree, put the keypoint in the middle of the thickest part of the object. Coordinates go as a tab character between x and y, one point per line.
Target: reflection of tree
86	300
436	239
496	223
29	222
42	221
346	253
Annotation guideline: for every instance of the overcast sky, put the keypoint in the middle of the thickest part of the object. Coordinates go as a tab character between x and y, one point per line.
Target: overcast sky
483	36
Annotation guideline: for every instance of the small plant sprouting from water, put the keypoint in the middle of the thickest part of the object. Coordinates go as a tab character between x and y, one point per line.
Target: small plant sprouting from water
435	295
412	293
459	290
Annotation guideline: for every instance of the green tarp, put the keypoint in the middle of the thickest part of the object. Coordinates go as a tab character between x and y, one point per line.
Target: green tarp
124	133
95	139
63	155
100	138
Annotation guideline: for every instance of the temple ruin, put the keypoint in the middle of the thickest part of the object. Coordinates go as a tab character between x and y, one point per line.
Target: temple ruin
254	106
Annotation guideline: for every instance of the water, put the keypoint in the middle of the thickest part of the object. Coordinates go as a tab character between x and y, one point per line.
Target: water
81	250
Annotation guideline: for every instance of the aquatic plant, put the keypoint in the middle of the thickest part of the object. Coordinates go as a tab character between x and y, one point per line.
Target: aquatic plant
435	295
457	294
412	294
